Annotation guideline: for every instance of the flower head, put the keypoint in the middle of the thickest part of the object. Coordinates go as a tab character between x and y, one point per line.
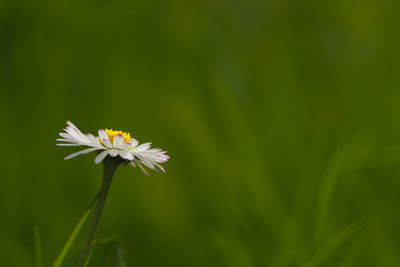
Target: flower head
114	144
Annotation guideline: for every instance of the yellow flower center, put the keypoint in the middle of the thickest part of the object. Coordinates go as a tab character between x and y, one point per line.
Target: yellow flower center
111	135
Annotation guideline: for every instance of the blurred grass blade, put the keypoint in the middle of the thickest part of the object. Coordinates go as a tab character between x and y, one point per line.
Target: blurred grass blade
103	253
333	244
90	252
107	253
71	240
38	247
325	194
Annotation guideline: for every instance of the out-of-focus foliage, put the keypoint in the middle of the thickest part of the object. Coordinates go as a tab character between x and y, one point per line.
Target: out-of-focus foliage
282	120
106	253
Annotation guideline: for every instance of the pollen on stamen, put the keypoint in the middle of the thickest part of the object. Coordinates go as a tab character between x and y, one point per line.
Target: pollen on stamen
112	134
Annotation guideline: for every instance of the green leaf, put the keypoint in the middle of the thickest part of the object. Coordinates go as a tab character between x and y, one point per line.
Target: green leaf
104	253
38	247
73	261
71	240
90	253
107	253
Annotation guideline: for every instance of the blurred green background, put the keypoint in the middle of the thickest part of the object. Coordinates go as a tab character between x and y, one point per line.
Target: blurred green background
282	120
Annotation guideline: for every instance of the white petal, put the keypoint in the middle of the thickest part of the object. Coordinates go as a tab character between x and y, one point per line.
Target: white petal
62	140
76	134
125	146
69	137
103	135
130	156
113	153
118	141
91	137
160	158
85	151
141	148
68	145
134	142
72	139
148	164
76	130
106	143
141	167
126	155
154	150
101	156
71	125
160	167
93	140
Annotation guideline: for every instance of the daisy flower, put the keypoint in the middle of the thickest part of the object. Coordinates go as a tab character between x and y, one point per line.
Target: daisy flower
113	148
114	144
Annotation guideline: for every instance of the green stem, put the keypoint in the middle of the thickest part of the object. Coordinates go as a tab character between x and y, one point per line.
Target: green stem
109	167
